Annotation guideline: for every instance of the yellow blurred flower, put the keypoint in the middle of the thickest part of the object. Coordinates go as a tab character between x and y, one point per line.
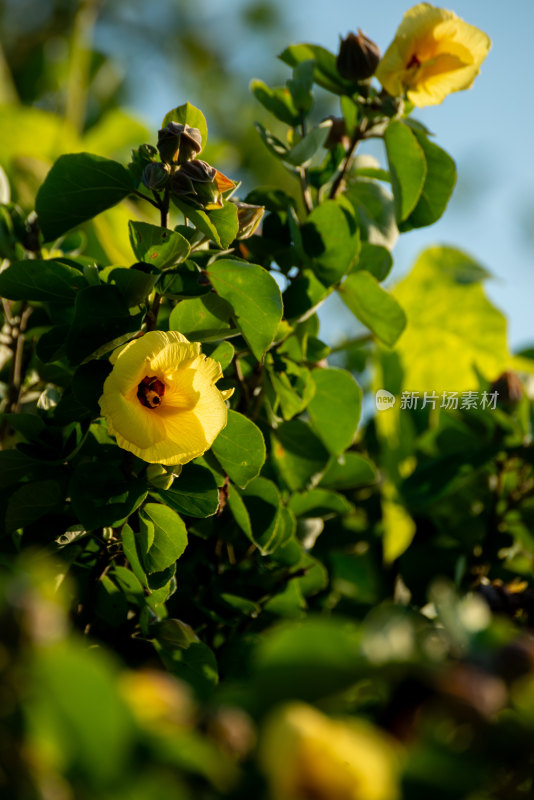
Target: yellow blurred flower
434	53
157	700
306	754
160	399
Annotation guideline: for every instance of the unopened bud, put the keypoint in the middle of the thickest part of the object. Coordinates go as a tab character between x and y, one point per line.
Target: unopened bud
358	57
141	156
337	134
508	388
248	217
155	176
158	476
201	184
179	143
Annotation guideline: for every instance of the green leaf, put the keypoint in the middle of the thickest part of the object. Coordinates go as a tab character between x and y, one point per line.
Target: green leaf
274	145
330	239
188	114
111	607
304	295
335	408
375	211
200	219
288	603
129	546
454	332
239	512
301	84
222	352
255	298
399	530
226	223
87	383
45	281
77	188
263	503
374	259
193	493
293	387
163	537
278	101
92	728
100	317
133	284
129	584
298	454
437	188
240	449
303	152
31	502
351	114
348	472
308	660
407	167
319	503
184	282
101	496
197	666
29	425
203	318
220	225
14	465
325	73
373	306
157	246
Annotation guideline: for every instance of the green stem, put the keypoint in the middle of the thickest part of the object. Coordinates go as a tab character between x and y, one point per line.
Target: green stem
305	189
363	339
339	182
152	315
164	209
148	199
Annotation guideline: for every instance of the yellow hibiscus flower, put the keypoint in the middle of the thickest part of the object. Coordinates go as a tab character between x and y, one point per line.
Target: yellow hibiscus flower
160	400
306	754
434	53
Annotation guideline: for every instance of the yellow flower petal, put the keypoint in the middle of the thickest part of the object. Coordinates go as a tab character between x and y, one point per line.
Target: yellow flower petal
433	54
306	754
176	416
128	418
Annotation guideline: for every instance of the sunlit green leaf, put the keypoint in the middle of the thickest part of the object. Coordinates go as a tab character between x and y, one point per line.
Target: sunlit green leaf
453	330
188	114
373	306
163	537
48	281
157	246
255	298
335	408
77	188
240	449
203	318
407	167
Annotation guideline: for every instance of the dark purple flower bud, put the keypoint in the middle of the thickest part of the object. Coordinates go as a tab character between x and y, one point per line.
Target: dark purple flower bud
358	57
508	388
200	184
178	143
155	176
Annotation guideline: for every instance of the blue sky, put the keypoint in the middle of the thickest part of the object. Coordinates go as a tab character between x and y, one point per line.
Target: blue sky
487	130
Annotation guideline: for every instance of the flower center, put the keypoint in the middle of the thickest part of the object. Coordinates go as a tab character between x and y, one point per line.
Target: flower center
413	62
150	391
